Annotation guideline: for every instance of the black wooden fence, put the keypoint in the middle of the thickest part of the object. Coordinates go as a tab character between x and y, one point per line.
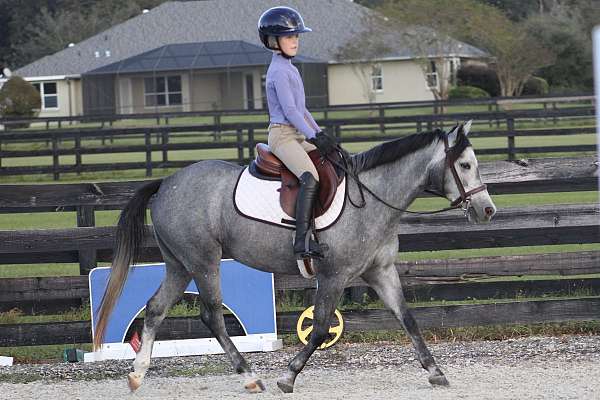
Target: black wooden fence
380	109
241	138
446	279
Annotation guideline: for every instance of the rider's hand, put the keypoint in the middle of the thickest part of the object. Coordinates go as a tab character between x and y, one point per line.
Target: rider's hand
325	143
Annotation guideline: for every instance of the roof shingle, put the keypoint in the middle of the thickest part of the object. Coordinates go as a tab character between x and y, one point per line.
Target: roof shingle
334	23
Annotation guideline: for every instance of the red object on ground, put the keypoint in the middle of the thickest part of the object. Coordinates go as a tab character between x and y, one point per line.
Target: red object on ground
135	342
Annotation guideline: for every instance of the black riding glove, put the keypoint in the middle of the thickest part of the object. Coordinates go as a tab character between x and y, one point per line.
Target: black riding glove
325	143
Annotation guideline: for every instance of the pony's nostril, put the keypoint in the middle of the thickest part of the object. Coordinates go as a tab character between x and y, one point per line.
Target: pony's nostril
489	211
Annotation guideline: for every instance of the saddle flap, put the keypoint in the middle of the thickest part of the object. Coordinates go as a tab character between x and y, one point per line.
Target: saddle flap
328	183
271	166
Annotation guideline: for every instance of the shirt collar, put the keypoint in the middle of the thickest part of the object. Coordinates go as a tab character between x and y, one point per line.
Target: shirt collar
279	58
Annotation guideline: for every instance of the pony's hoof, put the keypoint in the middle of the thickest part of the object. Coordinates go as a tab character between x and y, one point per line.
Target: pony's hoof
438	379
134	381
285	386
254	386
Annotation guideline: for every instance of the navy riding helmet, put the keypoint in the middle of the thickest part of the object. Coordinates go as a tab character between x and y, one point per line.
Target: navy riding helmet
280	21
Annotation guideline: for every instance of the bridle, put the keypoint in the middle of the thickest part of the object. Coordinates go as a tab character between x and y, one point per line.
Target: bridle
463	201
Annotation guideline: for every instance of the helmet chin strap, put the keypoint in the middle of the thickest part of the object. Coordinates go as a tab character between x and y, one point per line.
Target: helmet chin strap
283	54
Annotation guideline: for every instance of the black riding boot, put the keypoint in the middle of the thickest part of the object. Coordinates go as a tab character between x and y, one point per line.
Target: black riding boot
304	245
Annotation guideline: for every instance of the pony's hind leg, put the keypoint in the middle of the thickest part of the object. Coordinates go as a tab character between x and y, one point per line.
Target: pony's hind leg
386	283
209	287
171	290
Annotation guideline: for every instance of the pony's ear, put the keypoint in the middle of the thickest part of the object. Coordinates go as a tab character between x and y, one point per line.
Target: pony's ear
467	127
453	134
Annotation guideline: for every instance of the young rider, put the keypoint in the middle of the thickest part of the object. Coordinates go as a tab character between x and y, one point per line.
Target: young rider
293	131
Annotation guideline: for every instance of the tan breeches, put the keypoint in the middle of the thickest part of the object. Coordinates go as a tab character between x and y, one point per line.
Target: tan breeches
291	147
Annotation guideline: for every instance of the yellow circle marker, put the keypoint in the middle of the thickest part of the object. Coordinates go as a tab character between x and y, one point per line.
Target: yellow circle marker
307	316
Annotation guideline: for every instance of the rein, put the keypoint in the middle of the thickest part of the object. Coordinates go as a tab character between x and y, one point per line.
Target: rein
464	201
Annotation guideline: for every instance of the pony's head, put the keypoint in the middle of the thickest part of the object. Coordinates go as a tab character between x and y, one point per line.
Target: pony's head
461	182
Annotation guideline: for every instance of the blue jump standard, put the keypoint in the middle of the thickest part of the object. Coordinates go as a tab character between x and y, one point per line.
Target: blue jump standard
247	293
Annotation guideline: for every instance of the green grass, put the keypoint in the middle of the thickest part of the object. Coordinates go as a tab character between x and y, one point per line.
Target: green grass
496	251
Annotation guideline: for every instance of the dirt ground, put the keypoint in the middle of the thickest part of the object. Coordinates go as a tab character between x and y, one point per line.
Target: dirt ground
530	368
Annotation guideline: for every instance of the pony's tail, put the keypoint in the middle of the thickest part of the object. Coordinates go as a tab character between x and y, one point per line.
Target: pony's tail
128	243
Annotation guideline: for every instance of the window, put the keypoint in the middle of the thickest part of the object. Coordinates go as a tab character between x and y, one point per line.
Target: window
163	91
49	94
432	80
377	78
432	76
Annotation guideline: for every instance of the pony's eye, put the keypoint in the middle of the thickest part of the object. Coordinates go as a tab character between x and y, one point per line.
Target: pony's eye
465	165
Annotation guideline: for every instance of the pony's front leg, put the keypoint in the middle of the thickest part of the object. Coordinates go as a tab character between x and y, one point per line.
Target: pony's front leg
385	281
326	298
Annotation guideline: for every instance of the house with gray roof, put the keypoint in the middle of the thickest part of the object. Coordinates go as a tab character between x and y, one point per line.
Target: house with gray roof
202	55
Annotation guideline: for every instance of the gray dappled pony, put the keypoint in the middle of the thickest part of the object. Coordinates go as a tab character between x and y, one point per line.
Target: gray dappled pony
196	225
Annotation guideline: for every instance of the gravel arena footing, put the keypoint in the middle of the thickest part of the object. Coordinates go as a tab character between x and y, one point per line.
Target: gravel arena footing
566	367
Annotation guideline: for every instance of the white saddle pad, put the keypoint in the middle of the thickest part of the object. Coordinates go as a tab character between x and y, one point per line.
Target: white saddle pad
258	199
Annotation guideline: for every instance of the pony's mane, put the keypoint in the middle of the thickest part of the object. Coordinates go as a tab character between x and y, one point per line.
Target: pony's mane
396	149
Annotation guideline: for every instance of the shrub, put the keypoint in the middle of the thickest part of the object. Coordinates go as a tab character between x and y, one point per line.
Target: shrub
19	99
535	86
479	76
467	92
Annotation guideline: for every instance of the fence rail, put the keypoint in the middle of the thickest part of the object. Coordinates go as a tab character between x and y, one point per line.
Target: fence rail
516	312
240	139
493	104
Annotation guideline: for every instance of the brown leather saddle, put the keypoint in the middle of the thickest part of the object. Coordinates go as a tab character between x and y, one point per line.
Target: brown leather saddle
268	166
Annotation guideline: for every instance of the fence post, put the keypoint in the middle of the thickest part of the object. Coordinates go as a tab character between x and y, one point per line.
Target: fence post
510	128
240	146
55	158
148	140
381	123
490	111
337	131
217	132
497	119
554	119
419	126
87	257
78	154
165	143
251	143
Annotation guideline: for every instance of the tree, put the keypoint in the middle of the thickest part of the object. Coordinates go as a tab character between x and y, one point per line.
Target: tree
564	30
37	28
515	54
429	30
19	98
364	52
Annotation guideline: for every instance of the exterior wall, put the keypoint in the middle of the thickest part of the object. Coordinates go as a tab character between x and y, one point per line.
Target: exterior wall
232	89
402	81
124	95
205	91
76	97
137	94
256	88
69	99
201	91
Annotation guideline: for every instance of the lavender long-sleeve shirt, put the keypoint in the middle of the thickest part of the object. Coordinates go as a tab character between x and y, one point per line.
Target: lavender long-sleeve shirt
286	98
